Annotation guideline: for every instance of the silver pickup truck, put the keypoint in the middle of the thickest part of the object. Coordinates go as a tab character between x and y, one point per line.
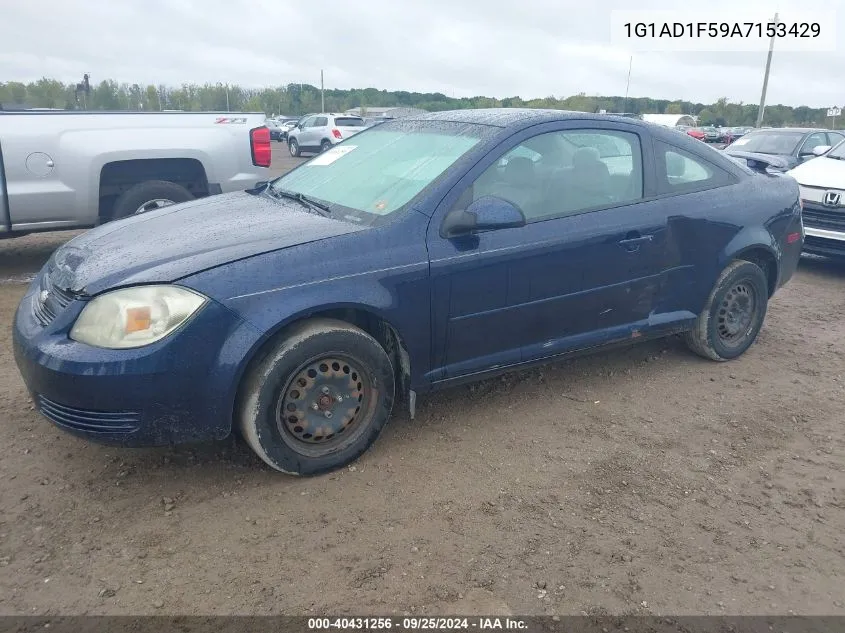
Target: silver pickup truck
71	170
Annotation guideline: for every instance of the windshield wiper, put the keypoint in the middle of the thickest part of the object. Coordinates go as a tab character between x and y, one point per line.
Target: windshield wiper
304	200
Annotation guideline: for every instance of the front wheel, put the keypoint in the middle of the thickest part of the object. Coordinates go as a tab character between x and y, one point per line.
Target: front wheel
318	399
733	315
293	147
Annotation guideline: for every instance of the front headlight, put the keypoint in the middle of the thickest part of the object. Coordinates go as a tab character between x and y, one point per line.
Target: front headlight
134	317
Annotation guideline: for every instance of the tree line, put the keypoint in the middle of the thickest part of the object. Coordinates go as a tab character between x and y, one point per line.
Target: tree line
296	99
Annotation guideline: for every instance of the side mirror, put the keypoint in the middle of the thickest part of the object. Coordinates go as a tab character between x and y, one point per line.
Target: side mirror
818	150
488	213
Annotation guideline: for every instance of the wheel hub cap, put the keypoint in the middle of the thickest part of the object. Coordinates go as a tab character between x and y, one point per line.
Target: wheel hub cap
151	205
322	401
736	313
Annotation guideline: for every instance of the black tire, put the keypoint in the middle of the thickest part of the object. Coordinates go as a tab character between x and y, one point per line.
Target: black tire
293	147
136	197
295	406
733	315
326	145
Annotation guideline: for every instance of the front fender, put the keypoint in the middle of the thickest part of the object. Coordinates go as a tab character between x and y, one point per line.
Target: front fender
383	272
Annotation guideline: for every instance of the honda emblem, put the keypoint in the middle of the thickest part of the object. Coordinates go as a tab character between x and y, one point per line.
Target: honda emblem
831	198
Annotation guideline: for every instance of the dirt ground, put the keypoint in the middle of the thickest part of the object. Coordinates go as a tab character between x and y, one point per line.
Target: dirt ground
638	481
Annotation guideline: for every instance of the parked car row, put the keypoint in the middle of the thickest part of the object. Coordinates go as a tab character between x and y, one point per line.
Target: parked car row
279	127
793	145
708	134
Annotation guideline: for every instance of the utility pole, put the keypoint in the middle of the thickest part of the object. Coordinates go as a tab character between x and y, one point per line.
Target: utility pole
628	85
227	98
322	93
766	78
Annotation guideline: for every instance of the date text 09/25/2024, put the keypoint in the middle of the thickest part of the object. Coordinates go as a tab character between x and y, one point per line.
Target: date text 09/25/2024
417	624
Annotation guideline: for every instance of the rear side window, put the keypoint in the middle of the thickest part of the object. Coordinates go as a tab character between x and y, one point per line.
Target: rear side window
321	121
348	122
679	171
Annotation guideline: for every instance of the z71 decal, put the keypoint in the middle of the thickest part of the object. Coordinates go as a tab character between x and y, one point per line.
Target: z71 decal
231	120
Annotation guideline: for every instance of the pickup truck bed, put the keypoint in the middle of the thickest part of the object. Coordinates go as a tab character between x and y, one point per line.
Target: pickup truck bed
70	170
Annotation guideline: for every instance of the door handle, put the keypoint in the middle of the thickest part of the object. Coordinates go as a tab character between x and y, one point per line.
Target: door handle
633	240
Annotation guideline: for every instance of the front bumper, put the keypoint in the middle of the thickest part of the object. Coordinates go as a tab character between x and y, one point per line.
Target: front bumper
180	389
824	242
825	230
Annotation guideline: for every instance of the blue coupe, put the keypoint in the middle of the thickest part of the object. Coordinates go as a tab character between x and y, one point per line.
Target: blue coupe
419	254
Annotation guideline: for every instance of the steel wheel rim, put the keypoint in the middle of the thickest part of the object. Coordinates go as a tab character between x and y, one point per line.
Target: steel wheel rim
152	205
325	403
736	315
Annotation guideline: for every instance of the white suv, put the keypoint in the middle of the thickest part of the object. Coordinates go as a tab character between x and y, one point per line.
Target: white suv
318	132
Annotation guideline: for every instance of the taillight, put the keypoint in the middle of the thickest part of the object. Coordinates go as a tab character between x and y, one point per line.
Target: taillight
337	133
792	238
259	144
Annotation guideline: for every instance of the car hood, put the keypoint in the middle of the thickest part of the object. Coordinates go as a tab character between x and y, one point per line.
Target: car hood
821	172
170	243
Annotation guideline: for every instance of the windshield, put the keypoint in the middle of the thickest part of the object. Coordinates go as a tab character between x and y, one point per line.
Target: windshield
770	142
379	170
838	151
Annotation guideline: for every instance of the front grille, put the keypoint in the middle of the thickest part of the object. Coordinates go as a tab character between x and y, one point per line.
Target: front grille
819	217
57	299
87	420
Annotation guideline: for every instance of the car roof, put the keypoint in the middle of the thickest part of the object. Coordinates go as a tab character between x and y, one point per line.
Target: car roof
515	117
791	129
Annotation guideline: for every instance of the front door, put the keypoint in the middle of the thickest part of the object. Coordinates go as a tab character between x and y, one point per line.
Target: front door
588	264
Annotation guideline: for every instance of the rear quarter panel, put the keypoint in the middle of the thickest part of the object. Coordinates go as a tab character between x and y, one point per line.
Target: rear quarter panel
754	214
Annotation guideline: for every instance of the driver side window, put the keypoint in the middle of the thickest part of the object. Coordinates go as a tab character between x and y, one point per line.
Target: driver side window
563	173
813	141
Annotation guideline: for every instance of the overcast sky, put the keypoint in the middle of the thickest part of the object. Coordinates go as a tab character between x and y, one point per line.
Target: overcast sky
499	48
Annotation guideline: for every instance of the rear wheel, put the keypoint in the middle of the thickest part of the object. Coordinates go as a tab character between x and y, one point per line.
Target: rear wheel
148	196
733	315
293	147
326	145
318	399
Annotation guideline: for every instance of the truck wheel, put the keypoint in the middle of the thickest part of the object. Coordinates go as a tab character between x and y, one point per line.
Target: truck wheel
733	315
293	147
318	399
149	195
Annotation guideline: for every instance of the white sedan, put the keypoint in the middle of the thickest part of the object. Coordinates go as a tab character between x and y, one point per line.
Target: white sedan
822	183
